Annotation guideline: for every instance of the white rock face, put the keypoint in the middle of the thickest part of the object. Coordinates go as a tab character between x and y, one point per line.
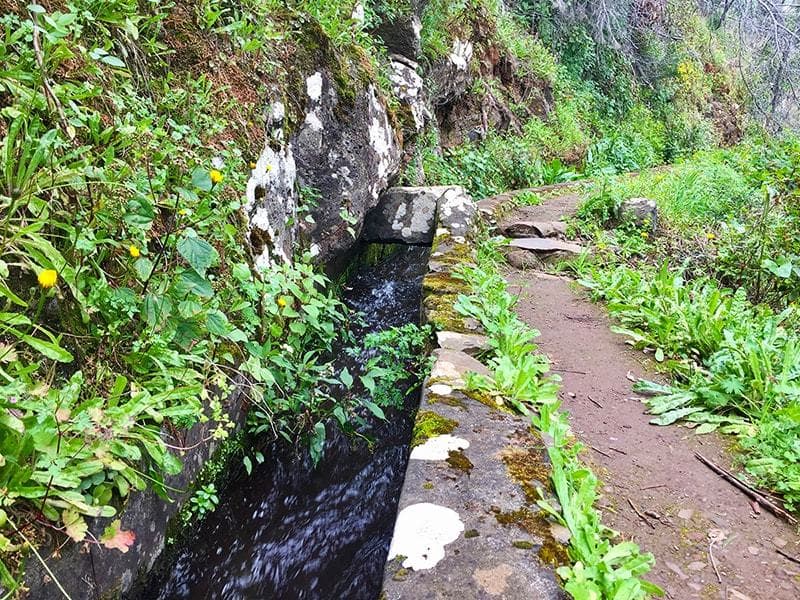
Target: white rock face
421	532
273	178
438	447
461	54
408	86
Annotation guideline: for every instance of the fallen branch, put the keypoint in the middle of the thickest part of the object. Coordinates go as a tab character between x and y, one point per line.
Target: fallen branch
713	561
641	516
652	487
569	371
750	491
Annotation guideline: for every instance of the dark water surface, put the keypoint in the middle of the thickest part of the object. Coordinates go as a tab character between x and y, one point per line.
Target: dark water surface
290	531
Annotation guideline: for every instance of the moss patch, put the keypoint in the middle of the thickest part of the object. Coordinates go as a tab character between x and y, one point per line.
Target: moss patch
458	460
523	544
429	424
527	467
487	399
438	283
400	575
449	400
550	552
440	313
471	533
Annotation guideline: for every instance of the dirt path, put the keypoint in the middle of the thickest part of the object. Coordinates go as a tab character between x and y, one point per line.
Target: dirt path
687	507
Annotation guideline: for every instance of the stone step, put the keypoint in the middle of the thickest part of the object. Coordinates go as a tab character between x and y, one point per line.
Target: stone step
535	229
535	253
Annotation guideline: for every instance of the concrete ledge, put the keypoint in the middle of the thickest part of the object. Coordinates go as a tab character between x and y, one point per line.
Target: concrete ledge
468	526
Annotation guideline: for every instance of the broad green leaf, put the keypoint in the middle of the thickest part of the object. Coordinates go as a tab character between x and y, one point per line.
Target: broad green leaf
201	179
190	281
197	252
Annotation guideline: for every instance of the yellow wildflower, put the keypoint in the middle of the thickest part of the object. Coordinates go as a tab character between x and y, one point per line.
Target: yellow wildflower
183	212
645	235
48	278
134	251
268	168
710	236
252	165
216	176
282	302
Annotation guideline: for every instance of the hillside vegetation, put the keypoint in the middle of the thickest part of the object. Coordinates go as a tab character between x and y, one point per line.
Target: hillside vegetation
130	306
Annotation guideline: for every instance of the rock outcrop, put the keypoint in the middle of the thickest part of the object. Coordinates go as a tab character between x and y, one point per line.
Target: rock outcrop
340	158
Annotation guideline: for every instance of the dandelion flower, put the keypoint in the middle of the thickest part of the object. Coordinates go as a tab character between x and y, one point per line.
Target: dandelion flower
48	278
134	251
216	176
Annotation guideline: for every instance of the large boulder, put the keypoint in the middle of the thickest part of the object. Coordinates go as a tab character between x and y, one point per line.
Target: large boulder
405	215
401	33
411	215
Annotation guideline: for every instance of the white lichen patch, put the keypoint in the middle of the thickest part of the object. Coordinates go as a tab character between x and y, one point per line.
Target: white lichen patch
382	141
461	54
440	389
314	86
421	532
438	447
313	121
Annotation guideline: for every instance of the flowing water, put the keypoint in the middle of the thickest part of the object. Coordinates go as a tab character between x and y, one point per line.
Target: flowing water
297	532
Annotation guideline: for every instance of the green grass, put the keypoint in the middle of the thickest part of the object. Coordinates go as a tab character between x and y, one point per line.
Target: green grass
716	307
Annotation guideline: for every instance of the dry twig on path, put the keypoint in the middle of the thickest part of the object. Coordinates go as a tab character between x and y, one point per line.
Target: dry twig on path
606	454
595	402
788	556
750	491
641	516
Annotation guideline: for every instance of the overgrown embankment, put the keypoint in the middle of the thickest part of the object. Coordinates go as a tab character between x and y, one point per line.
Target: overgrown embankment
136	324
545	100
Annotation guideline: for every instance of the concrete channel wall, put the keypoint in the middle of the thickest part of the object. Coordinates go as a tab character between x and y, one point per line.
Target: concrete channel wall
468	526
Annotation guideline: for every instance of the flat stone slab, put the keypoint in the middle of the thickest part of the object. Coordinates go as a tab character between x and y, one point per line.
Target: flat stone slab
469	343
544	245
451	367
540	229
466	528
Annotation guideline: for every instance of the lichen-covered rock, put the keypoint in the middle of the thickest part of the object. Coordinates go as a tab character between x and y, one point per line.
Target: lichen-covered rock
271	204
408	87
456	212
641	212
345	155
451	75
405	215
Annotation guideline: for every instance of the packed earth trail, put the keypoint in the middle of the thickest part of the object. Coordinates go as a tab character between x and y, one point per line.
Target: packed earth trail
709	539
